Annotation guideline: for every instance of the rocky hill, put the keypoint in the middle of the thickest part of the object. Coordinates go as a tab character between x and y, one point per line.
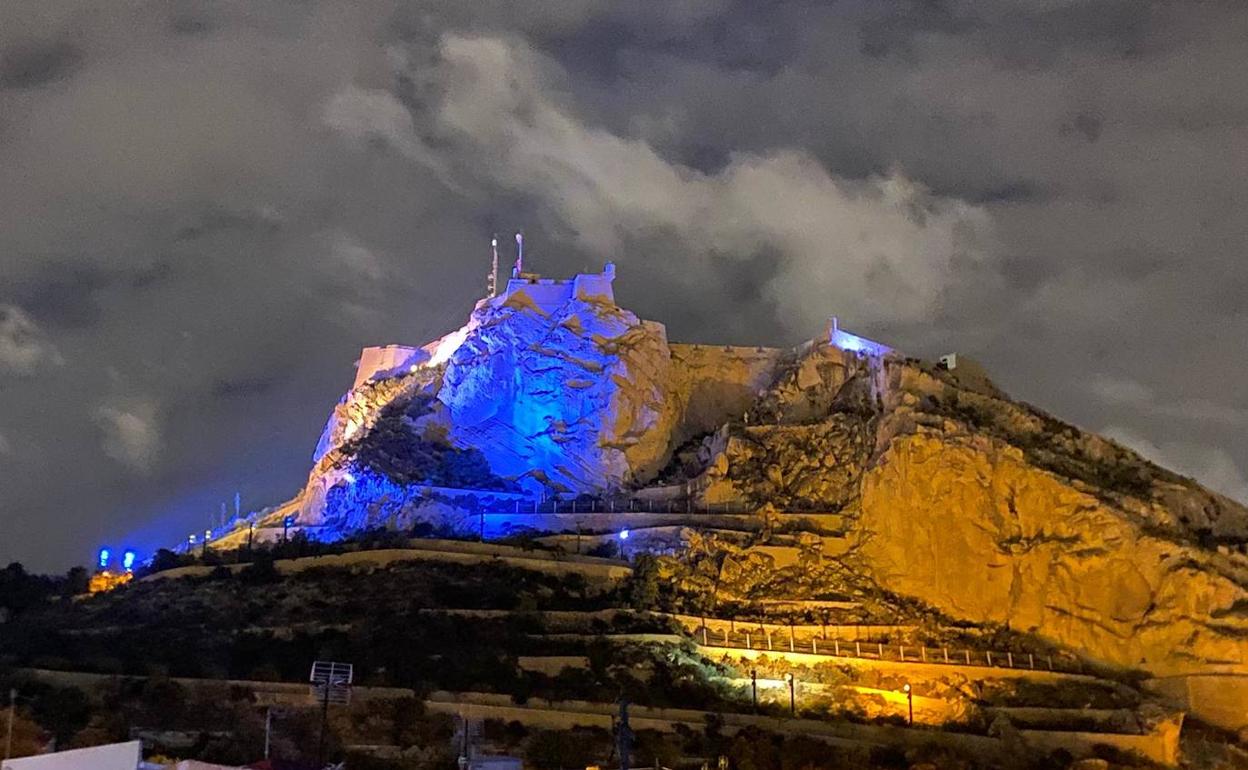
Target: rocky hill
988	510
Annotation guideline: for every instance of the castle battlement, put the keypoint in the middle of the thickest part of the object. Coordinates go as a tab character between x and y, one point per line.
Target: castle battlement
549	294
546	294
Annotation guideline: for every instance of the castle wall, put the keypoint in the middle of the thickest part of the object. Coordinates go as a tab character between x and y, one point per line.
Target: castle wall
855	344
594	287
547	294
385	358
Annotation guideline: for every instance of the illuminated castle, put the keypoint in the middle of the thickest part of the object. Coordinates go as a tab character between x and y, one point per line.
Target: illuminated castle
547	295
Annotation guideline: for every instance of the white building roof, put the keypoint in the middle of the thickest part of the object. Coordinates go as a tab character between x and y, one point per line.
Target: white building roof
114	756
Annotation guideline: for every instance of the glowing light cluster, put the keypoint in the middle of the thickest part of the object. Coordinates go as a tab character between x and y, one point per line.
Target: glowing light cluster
106	579
105	557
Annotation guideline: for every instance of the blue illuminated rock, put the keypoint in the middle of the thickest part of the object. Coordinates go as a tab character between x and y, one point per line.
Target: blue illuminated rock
554	384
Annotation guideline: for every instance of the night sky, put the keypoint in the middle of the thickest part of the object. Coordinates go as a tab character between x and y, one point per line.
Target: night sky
208	208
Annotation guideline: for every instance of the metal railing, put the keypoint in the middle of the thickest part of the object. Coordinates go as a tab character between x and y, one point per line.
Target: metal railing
891	652
630	505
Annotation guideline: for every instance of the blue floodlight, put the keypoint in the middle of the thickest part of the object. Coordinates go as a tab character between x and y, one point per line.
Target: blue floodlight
207	535
127	560
349	476
623	534
289	521
105	555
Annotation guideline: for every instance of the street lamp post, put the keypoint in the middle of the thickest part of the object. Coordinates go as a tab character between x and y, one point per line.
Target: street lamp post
792	680
754	687
909	700
8	737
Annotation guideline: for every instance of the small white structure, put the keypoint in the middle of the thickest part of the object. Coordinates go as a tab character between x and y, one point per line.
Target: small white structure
852	343
969	372
114	756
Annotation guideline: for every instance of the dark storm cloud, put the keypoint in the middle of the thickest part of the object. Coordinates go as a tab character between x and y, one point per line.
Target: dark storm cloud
30	65
229	390
1085	125
66	293
208	208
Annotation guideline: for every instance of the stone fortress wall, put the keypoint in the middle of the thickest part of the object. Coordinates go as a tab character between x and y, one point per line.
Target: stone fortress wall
549	294
384	358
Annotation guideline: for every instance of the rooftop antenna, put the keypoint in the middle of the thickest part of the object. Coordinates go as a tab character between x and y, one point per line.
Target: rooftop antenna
519	269
492	282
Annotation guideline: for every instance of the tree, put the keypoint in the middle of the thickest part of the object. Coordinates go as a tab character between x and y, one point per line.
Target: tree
76	581
558	750
643	587
62	710
165	560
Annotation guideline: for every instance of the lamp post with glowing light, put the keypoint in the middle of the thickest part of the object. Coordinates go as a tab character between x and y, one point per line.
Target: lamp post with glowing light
792	680
624	542
909	700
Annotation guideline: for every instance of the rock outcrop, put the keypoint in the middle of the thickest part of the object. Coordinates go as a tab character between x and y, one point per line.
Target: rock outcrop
573	396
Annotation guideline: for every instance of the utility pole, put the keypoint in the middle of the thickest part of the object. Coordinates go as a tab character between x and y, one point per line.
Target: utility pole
8	738
491	284
268	729
320	746
625	737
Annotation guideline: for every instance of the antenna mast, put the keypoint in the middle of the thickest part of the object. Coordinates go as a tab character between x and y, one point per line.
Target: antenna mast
491	284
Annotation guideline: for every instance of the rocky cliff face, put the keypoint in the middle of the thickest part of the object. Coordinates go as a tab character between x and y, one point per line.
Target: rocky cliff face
985	509
994	512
